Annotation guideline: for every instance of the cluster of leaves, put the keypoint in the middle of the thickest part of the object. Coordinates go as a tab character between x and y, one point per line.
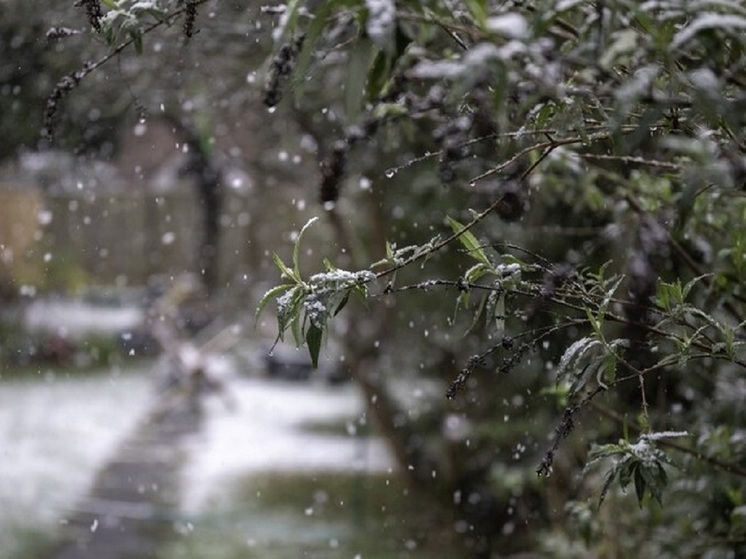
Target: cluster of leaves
125	19
305	306
641	463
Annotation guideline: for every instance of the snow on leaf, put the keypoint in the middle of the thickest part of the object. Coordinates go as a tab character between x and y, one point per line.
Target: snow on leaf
429	70
381	23
574	353
510	25
706	21
638	86
664	435
273	293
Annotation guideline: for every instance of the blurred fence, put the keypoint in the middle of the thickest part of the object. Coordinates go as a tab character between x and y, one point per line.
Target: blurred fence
64	240
19	229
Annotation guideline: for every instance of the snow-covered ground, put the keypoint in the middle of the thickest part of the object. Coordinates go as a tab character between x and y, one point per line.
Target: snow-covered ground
76	318
55	433
260	428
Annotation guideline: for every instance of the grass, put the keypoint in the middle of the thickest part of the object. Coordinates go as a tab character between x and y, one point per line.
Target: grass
23	542
329	516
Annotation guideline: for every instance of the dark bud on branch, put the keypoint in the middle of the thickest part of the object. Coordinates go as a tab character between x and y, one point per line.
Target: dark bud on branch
62	88
190	16
93	12
463	376
333	167
512	204
332	172
281	67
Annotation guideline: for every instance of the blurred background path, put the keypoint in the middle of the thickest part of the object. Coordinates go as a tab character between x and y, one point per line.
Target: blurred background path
132	506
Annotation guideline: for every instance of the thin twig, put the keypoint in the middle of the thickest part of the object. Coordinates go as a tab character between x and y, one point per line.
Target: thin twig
631	159
438	246
549	144
68	82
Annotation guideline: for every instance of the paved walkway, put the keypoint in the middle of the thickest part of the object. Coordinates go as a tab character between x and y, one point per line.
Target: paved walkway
132	506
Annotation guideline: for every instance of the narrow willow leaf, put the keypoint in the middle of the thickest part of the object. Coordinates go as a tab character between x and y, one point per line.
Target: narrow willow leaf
285	272
585	374
469	241
296	326
380	24
289	22
640	482
273	293
500	315
313	33
708	20
380	71
481	309
478	11
314	335
288	309
608	480
389	251
361	58
574	353
137	40
342	304
691	283
477	271
296	248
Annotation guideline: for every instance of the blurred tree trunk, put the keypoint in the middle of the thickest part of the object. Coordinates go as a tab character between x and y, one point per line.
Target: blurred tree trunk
202	169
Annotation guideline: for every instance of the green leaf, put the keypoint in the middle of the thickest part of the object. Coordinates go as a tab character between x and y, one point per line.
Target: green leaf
296	248
691	283
288	310
384	63
477	271
295	325
640	483
289	22
285	272
478	11
273	293
469	241
543	116
389	251
137	39
313	33
314	334
627	467
608	480
706	21
343	303
499	314
574	353
481	308
379	74
360	60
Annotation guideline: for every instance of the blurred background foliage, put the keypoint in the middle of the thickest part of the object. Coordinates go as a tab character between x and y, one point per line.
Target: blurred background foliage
597	146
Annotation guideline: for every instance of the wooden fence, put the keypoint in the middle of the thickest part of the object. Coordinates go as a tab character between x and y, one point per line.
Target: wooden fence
61	241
